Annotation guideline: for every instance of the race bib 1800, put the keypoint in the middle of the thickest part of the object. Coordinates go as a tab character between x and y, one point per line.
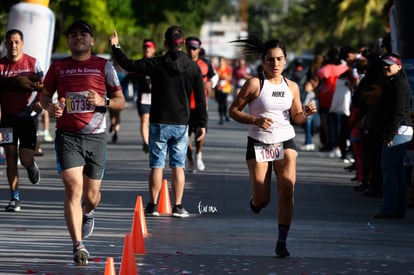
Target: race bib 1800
78	103
268	152
6	135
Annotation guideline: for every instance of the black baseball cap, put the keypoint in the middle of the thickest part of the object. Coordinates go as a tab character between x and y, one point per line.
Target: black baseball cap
81	25
174	36
193	42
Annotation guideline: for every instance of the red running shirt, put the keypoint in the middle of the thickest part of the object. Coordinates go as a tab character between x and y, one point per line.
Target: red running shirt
72	80
14	102
204	71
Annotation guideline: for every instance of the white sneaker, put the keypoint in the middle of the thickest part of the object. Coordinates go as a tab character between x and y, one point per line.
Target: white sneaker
338	153
47	138
335	153
200	163
307	147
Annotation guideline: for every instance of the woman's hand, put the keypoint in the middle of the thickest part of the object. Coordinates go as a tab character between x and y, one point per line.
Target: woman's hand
309	109
263	122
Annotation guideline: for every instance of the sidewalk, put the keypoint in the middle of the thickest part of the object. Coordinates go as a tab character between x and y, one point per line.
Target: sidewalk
333	231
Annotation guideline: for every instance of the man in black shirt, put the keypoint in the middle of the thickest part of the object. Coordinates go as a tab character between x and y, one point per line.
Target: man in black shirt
174	75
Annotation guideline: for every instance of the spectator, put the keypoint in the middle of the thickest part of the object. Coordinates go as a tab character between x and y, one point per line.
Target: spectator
223	88
173	76
144	86
312	123
328	74
338	117
115	115
241	73
397	131
366	98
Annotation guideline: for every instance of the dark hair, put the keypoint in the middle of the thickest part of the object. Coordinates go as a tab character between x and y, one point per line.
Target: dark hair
174	37
14	31
344	51
255	46
81	25
332	57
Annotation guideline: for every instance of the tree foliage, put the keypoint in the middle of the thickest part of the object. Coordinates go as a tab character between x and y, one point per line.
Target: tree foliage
323	23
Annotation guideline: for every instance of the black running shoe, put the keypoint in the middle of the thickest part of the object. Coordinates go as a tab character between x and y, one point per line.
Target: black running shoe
88	224
281	250
179	212
14	206
151	210
34	173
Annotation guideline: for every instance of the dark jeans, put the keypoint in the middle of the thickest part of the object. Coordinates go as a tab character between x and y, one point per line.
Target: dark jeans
323	129
221	99
394	187
338	129
372	149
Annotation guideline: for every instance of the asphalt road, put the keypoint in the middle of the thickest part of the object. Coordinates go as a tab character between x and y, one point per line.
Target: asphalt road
333	231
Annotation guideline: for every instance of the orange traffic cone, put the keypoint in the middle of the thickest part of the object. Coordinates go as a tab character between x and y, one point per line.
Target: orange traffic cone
128	264
137	236
139	214
110	266
164	204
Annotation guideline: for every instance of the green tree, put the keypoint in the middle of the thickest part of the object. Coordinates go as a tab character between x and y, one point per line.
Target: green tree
326	23
103	15
155	16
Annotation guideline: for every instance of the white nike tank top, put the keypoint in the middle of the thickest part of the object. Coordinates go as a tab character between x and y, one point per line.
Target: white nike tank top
274	101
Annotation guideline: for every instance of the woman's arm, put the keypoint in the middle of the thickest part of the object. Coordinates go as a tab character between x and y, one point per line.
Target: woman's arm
299	115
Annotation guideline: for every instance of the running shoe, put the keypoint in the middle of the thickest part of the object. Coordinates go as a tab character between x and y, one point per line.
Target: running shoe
33	173
151	210
200	163
88	223
281	250
307	147
115	137
14	206
47	137
179	212
255	209
80	255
